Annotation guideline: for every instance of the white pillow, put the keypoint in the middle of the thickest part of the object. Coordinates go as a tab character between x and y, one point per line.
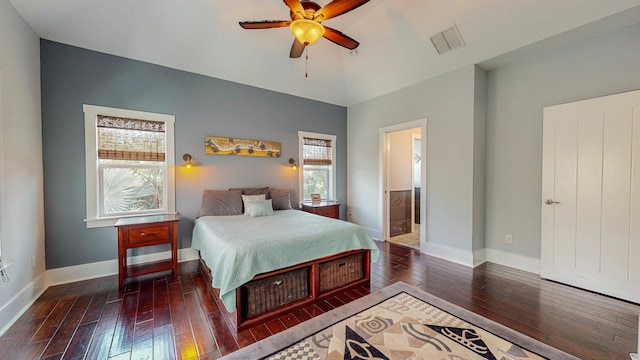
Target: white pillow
248	199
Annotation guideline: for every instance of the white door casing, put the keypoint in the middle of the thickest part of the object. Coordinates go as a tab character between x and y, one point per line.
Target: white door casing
383	192
591	179
416	175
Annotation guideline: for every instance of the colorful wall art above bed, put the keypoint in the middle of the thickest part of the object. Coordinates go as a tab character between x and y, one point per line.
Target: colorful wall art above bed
231	146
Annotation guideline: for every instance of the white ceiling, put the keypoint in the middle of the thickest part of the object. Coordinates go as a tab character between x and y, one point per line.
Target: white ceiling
203	36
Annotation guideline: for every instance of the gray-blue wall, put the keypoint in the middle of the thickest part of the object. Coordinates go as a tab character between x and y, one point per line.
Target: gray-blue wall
517	92
202	105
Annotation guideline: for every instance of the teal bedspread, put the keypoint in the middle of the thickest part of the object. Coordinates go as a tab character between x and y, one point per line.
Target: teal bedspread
236	248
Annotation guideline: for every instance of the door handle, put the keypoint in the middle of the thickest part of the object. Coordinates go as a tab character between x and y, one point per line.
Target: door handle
551	202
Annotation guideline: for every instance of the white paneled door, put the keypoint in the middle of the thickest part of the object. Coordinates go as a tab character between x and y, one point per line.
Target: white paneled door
591	195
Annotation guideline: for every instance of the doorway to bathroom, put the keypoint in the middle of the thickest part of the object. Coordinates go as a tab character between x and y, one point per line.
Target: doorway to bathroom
403	174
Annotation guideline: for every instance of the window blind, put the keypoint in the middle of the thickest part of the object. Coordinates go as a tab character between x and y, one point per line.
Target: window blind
130	139
316	151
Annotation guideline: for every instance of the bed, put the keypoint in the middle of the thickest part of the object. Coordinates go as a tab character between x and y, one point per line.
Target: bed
261	267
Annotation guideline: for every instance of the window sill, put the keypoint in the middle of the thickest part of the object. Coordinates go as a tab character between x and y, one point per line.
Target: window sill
111	221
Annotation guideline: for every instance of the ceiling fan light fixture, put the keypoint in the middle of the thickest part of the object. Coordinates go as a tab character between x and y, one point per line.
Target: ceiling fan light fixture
307	31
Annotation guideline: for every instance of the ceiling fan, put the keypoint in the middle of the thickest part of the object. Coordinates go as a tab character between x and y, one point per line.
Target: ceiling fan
305	23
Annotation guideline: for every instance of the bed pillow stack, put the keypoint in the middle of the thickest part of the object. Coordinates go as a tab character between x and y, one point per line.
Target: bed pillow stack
238	201
250	195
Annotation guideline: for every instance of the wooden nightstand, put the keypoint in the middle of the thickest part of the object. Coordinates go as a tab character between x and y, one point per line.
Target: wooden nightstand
329	209
146	231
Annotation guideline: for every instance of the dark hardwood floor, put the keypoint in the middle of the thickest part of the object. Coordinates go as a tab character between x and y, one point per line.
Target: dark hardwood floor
163	317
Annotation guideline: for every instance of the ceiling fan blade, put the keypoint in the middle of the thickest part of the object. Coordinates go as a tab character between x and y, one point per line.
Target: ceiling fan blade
266	24
337	7
296	49
296	8
339	38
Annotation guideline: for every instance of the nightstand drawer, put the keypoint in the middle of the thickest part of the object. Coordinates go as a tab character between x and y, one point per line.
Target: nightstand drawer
153	234
329	211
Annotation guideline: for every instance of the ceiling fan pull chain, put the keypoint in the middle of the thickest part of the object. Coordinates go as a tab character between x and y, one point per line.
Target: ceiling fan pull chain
306	62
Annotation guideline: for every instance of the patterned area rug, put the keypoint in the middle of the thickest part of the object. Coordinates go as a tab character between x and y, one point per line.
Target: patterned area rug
399	322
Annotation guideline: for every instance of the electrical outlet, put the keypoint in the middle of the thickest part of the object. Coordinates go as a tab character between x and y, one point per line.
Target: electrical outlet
508	239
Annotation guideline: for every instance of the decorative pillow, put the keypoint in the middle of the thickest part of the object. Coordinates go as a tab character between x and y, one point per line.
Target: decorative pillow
252	191
248	201
281	199
261	208
219	202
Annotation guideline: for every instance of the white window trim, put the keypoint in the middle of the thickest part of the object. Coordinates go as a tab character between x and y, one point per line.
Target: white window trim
334	151
91	113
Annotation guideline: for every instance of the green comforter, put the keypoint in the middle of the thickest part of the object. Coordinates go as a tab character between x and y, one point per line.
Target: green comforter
236	248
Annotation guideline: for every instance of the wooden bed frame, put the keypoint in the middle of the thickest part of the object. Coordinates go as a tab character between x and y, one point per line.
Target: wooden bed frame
323	277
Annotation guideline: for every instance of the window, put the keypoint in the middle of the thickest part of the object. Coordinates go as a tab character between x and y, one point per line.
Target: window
318	175
129	164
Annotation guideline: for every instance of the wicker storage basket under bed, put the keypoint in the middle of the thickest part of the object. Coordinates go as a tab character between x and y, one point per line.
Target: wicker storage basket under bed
339	272
269	293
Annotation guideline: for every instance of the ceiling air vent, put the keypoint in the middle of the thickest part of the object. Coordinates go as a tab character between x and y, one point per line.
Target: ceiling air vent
447	40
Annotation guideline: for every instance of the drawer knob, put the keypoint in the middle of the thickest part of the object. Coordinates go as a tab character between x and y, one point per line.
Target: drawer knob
278	282
149	234
342	264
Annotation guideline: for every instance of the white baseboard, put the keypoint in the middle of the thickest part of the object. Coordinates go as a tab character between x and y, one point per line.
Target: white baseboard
12	310
479	257
519	262
448	253
109	267
21	302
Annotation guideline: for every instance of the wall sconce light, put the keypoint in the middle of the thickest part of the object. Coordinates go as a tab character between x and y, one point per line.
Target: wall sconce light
187	161
293	164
